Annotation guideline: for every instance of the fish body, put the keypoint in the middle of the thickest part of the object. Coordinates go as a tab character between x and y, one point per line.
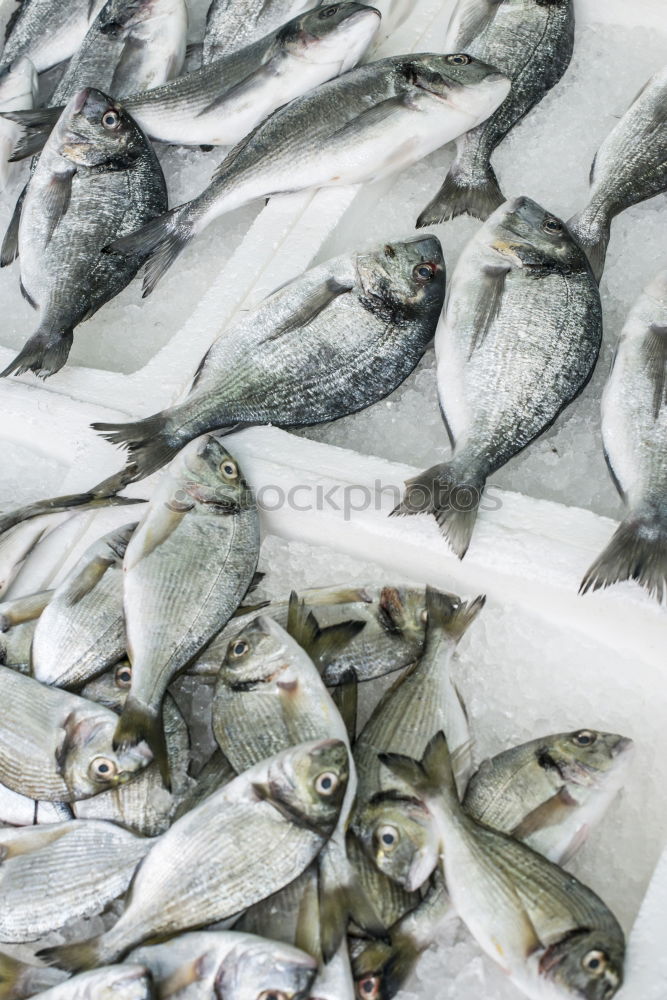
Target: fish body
531	42
231	26
82	631
186	569
338	338
518	342
46	31
52	875
117	982
97	177
629	167
56	746
363	126
634	432
241	844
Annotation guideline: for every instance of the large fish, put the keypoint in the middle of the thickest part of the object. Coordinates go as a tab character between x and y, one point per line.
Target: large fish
186	570
240	845
518	342
634	431
232	25
336	339
531	41
363	126
629	167
97	178
57	746
46	31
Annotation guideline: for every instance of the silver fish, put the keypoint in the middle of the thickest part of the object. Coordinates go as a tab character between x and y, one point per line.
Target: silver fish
634	432
46	31
363	126
242	844
57	746
20	810
297	357
176	596
531	42
53	875
231	26
97	177
117	982
16	544
629	167
523	301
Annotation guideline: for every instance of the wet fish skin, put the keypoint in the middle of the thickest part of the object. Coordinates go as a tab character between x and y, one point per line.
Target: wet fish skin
88	170
629	167
363	126
43	514
118	982
372	312
634	433
176	597
267	826
53	875
231	26
46	32
531	42
56	746
522	300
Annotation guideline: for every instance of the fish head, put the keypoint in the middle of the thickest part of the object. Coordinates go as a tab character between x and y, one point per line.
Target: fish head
587	965
398	835
86	758
118	17
209	478
404	279
462	81
111	688
258	655
586	757
121	982
94	131
336	34
527	236
259	970
402	610
370	968
307	783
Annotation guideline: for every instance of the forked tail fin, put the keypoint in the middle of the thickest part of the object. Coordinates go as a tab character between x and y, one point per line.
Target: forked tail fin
37	126
462	195
149	444
637	551
44	353
158	243
431	775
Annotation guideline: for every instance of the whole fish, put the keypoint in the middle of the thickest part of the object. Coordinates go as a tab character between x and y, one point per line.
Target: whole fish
240	845
634	432
81	632
299	357
518	342
97	178
363	126
46	31
117	982
143	805
19	979
18	90
231	26
629	167
550	933
531	42
53	875
57	746
204	964
410	713
186	570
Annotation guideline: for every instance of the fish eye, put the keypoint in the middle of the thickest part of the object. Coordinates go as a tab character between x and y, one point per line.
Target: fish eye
552	226
229	469
459	59
326	783
585	738
111	119
424	272
368	988
103	769
388	837
272	995
595	961
239	648
123	675
329	11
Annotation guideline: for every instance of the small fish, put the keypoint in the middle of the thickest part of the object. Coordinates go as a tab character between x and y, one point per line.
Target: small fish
53	875
531	42
362	126
19	979
118	982
629	167
297	357
46	31
518	342
242	844
176	596
57	746
231	25
634	432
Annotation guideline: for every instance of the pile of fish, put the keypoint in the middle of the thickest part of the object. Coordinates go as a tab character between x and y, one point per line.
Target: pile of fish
190	804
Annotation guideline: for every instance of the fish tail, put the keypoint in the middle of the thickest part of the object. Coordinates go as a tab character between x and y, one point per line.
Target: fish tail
592	232
432	774
637	551
136	724
340	895
18	979
452	497
149	444
44	353
463	194
449	614
158	243
37	126
10	243
80	956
